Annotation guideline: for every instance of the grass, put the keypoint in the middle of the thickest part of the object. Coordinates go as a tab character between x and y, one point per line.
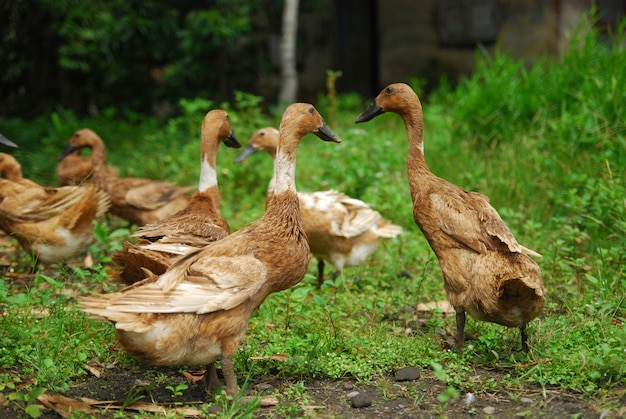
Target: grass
547	144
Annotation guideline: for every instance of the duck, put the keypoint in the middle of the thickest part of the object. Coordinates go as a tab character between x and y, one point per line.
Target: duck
341	230
486	272
195	226
137	200
51	224
76	169
198	310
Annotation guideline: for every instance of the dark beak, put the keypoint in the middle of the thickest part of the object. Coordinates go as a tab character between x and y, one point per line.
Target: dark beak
4	140
232	141
372	111
327	134
69	149
247	151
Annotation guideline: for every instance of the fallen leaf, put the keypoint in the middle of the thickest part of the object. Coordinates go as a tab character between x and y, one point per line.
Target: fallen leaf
195	376
444	306
88	261
40	313
264	402
64	406
94	371
275	357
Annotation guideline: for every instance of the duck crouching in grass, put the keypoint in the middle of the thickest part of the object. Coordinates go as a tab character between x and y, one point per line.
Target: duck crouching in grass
51	224
137	200
198	311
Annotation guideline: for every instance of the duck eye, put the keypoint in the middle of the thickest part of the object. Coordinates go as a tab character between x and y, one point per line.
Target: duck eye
389	89
311	109
262	133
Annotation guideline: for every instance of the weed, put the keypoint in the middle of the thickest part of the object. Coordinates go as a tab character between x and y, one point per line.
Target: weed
177	390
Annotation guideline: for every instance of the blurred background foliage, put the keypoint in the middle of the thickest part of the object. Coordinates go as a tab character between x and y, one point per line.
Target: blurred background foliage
138	55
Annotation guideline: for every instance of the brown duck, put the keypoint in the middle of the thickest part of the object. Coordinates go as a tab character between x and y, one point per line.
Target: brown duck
195	226
75	169
198	310
140	201
51	224
487	272
342	230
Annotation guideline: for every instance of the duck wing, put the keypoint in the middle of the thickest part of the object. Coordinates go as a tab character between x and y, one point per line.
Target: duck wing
207	285
34	204
469	219
151	195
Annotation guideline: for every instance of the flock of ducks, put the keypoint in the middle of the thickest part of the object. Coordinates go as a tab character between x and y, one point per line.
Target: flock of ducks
190	285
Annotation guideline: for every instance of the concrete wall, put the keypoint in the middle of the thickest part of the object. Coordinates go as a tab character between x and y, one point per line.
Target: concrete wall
425	38
410	35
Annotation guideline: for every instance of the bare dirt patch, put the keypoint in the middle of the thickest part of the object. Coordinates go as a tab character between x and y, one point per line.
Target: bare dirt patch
116	388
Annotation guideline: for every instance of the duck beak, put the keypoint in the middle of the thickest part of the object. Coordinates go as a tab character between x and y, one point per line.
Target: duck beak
247	151
372	111
4	140
68	150
232	142
326	134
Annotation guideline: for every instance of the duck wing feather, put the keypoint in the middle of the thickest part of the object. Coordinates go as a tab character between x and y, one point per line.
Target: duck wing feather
152	195
210	284
469	219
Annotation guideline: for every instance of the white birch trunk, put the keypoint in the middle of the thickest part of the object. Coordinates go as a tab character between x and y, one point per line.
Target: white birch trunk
289	75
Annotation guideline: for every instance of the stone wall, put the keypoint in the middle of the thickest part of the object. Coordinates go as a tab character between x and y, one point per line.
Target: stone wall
411	34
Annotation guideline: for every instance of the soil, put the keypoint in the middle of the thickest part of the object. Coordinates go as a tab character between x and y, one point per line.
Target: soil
318	399
107	389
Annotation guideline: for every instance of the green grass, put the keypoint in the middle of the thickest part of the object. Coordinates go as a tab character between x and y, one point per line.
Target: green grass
547	144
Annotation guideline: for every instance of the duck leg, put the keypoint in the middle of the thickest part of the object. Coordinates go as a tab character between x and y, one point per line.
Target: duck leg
211	376
460	329
228	370
320	273
524	335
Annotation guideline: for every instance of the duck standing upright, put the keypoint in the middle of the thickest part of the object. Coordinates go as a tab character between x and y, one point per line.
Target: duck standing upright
140	201
198	310
487	273
342	230
196	225
51	224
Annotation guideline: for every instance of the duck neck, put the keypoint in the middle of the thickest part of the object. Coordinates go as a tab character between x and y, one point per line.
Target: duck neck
98	161
98	154
416	163
208	163
282	202
284	178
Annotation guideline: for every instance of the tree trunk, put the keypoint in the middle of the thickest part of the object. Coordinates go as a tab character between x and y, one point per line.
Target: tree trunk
289	75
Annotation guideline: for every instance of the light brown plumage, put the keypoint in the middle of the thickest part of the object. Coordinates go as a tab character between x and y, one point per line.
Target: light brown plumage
341	230
487	272
51	224
75	169
140	201
198	310
195	226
